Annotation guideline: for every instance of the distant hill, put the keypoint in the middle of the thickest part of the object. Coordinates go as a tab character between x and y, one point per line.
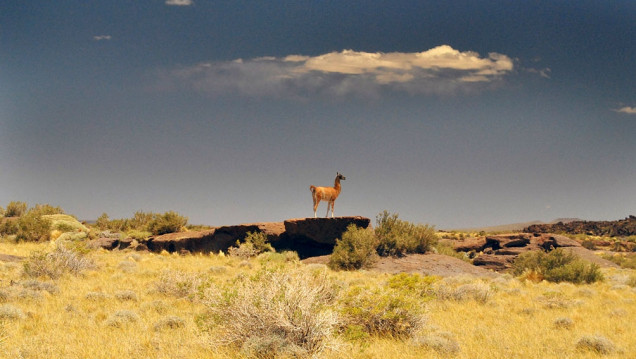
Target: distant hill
621	227
515	227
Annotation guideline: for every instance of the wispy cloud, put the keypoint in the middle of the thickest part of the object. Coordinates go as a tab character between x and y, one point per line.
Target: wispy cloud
179	2
628	110
102	37
441	70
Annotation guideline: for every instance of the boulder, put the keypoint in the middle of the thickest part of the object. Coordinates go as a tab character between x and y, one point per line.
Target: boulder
494	261
508	240
476	244
110	243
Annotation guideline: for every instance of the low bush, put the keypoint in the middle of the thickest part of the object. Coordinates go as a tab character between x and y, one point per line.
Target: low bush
32	227
56	263
595	343
356	249
254	244
397	237
557	266
388	310
627	260
275	314
169	323
441	342
179	284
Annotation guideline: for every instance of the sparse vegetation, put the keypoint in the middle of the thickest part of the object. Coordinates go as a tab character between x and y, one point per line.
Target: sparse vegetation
273	305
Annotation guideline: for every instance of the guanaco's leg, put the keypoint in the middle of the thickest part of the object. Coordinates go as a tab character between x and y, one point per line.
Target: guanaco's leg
316	202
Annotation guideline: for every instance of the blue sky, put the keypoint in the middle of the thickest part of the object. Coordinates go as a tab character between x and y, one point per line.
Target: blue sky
454	113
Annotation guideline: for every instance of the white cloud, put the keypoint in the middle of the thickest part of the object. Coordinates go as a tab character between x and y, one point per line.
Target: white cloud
102	37
628	110
441	70
179	2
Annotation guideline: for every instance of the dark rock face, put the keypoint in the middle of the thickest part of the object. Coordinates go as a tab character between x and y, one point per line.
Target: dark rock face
214	240
622	227
311	237
307	236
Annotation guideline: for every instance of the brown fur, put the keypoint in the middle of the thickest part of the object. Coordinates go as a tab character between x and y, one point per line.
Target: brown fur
327	194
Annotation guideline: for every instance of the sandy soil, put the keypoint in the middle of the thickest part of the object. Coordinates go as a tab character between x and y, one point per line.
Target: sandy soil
427	264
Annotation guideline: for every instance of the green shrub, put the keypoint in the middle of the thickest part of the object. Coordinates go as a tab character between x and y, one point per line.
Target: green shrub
142	220
32	227
255	243
557	266
15	209
397	237
356	249
8	226
381	311
103	222
138	235
168	222
624	260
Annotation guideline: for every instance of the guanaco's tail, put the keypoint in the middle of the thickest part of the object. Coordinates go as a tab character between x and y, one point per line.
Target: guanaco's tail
312	189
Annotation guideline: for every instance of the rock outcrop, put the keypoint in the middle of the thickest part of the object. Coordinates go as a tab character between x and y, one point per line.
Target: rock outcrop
622	227
315	236
307	236
498	252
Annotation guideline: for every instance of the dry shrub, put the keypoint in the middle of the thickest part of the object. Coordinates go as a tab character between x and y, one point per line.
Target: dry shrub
563	323
595	343
96	296
54	264
126	295
9	312
479	291
172	322
179	284
120	318
275	314
37	285
441	342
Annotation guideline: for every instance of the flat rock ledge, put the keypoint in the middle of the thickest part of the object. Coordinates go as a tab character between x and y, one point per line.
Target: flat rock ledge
307	236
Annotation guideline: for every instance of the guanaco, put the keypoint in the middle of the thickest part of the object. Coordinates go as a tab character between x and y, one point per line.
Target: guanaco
327	194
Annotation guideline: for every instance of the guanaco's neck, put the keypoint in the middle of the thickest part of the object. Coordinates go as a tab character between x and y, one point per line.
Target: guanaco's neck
336	185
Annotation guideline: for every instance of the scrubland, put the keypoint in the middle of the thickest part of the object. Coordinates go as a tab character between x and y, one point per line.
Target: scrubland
127	304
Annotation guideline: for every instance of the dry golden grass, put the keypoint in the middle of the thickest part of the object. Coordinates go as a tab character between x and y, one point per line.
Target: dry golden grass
135	305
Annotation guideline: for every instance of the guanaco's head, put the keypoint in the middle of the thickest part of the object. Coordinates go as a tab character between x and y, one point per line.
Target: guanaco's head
340	177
